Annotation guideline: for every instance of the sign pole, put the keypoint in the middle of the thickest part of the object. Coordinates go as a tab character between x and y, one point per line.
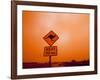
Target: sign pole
50	61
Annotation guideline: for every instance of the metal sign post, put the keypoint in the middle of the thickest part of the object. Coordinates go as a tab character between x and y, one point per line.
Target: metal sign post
50	64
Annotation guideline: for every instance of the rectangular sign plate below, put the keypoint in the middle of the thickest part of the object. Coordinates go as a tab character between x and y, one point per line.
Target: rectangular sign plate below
50	51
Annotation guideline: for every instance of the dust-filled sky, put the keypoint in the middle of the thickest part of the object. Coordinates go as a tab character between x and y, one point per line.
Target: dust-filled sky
72	29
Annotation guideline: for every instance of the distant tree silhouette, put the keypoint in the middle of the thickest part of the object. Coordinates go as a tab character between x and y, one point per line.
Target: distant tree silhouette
73	60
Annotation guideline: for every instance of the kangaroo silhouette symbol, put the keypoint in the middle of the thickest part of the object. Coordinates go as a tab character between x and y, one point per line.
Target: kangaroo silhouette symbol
51	37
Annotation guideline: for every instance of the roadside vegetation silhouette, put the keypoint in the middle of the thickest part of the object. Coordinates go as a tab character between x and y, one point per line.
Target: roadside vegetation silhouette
56	64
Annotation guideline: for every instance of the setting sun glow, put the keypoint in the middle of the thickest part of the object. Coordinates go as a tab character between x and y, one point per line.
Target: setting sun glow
72	29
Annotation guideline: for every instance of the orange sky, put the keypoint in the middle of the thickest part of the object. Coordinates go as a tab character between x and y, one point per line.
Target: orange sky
72	29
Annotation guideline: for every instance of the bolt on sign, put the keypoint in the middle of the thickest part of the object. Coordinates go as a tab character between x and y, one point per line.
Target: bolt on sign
51	38
50	51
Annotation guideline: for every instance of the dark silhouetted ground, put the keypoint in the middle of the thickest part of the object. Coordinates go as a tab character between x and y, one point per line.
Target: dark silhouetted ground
56	64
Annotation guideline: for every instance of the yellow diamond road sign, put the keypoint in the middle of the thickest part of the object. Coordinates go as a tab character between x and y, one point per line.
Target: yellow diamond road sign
51	38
